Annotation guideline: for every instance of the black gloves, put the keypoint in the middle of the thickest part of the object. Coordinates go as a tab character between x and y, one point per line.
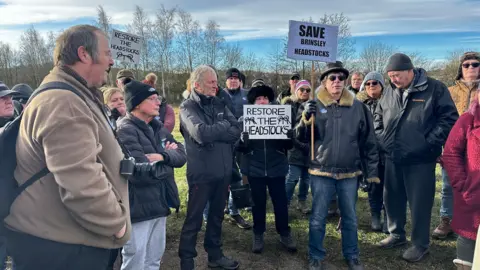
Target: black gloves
245	137
310	108
290	134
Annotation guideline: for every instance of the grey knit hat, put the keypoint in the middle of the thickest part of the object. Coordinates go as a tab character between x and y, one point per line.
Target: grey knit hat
373	76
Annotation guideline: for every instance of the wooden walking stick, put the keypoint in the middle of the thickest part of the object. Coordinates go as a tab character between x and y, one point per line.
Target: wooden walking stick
312	137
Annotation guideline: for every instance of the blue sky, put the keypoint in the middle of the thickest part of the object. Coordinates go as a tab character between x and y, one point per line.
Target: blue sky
431	27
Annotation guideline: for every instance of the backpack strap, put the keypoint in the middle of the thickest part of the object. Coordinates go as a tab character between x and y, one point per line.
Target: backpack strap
40	89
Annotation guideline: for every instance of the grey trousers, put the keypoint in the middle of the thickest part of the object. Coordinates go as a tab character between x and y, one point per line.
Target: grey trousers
414	184
146	246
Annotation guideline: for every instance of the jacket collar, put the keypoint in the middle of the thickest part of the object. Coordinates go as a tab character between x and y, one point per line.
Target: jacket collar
346	100
464	86
155	124
202	99
74	78
364	97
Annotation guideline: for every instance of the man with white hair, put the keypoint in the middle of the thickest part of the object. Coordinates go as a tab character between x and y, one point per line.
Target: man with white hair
210	130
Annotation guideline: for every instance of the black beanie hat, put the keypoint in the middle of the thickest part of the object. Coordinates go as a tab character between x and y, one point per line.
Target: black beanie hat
233	72
135	93
399	62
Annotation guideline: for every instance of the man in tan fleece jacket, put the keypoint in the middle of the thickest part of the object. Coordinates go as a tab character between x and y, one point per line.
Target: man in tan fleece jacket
72	217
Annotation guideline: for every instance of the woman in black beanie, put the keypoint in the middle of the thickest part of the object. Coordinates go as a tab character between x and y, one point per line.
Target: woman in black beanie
265	164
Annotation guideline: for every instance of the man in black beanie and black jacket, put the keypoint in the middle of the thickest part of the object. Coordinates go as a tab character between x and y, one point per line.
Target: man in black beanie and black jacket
412	122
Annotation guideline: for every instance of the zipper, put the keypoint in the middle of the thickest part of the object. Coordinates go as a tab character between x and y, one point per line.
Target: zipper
265	155
336	141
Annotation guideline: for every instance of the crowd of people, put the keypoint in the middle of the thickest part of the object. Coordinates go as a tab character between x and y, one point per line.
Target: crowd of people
109	159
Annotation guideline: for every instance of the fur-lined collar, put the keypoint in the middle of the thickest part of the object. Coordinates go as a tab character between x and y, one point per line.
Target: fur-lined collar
363	97
346	99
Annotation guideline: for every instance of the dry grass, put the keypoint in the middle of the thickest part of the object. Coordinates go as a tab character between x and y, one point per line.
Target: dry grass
237	242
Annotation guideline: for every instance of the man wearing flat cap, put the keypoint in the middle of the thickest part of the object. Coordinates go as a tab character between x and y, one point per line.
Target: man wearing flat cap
6	104
123	77
412	122
294	79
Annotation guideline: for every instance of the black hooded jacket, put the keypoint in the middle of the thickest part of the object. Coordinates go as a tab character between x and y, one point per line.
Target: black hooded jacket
412	127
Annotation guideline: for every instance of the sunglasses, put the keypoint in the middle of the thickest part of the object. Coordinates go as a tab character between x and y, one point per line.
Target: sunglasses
372	83
474	65
307	90
334	77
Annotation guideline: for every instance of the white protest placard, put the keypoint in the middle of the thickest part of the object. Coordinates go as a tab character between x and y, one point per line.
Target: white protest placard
125	47
267	121
312	41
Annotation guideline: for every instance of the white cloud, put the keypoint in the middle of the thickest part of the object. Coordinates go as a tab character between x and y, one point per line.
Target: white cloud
251	19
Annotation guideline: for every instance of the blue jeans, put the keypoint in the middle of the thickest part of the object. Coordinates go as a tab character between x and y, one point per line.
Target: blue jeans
297	174
446	208
323	189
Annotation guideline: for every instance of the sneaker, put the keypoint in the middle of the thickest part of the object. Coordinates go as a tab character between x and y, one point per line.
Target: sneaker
187	264
354	264
376	222
240	222
443	230
415	254
224	263
391	242
258	243
462	265
316	265
288	242
302	207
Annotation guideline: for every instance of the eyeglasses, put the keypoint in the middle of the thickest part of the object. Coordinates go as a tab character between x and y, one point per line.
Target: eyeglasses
474	65
372	83
307	90
334	77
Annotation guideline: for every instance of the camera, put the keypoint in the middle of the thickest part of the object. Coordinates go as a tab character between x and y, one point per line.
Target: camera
129	167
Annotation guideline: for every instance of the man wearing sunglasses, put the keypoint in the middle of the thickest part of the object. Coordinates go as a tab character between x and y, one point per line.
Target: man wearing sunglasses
412	122
343	136
464	91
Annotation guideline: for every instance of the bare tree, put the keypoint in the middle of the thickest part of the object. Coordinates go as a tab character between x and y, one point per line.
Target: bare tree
163	32
212	42
141	26
374	56
103	22
420	61
276	65
7	63
346	45
188	40
34	53
232	56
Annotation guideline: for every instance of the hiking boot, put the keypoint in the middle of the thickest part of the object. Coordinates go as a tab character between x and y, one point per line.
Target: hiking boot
302	207
240	222
391	242
316	265
288	242
257	243
224	263
187	264
443	230
415	254
354	264
376	222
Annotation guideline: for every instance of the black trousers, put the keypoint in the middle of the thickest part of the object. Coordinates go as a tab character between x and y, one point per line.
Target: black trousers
414	184
375	194
33	253
114	253
198	195
278	194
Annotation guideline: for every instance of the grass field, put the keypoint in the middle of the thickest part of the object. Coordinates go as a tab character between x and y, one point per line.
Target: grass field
237	242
